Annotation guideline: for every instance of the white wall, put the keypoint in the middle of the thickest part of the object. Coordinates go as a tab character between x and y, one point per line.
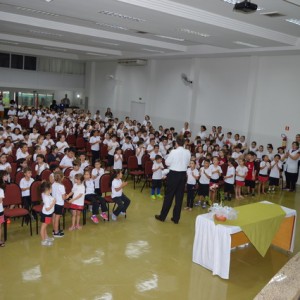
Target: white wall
255	96
60	84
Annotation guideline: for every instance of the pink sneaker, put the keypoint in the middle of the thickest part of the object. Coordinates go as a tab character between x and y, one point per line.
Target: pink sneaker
104	216
95	219
72	228
78	227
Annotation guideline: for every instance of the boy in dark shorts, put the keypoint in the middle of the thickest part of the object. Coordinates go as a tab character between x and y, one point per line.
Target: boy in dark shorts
251	175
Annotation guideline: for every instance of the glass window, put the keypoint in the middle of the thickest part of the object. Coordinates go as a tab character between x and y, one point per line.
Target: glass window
30	63
17	61
4	60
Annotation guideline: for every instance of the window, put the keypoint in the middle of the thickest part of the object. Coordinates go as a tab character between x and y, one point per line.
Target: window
4	60
17	61
30	63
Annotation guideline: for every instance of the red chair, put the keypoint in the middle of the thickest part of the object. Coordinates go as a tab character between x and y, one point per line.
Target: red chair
13	171
67	172
88	150
148	173
13	198
32	167
145	158
45	175
36	200
68	186
105	187
103	152
10	159
127	153
133	170
71	140
19	176
80	144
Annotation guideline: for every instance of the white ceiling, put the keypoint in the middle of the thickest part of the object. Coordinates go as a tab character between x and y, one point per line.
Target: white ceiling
69	29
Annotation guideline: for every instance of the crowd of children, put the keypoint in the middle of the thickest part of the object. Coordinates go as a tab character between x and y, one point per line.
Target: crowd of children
38	138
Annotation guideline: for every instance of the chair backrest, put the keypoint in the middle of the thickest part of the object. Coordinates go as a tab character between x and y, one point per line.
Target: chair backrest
12	195
132	162
145	158
13	171
127	153
19	176
103	151
80	143
105	183
224	168
32	167
71	139
148	167
46	174
10	159
35	193
68	184
88	147
68	171
54	163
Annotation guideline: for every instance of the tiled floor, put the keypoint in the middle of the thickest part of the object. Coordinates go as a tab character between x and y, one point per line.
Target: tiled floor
136	258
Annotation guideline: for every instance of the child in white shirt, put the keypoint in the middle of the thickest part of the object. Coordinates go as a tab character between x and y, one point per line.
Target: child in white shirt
276	167
157	176
118	159
263	175
240	173
229	179
77	201
192	178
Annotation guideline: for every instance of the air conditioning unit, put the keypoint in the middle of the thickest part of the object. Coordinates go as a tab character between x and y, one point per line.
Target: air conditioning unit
132	62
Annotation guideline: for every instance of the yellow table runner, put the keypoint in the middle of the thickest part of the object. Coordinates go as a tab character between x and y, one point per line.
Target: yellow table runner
260	222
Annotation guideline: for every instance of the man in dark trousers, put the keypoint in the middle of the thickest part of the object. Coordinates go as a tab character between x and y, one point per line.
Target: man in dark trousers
177	161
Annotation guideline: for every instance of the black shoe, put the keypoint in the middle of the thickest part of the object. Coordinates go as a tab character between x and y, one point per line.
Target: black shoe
175	222
229	198
58	235
157	217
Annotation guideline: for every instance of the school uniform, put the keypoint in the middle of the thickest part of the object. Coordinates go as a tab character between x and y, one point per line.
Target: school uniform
190	185
46	215
239	179
229	182
118	165
118	197
95	148
263	175
26	199
204	181
96	200
275	173
79	203
58	190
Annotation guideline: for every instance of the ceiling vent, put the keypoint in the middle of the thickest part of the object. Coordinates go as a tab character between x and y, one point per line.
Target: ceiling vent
273	14
132	62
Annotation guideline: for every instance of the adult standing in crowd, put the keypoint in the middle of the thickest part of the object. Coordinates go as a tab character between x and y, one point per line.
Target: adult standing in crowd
65	101
177	161
108	113
292	167
1	107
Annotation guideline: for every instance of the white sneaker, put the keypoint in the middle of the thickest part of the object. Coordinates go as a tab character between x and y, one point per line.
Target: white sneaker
49	239
114	217
46	243
123	213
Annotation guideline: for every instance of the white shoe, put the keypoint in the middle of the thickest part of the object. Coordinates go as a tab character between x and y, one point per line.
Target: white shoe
50	239
123	213
46	243
114	217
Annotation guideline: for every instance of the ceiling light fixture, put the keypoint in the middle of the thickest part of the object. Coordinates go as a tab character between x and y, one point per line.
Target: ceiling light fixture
169	38
152	50
105	43
48	1
233	2
46	33
189	31
9	42
95	54
121	16
56	49
112	26
246	44
294	21
37	11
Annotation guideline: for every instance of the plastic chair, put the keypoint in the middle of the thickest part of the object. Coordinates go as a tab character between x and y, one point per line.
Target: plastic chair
13	198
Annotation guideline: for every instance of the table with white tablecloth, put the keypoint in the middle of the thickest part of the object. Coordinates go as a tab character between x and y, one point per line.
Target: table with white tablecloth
213	243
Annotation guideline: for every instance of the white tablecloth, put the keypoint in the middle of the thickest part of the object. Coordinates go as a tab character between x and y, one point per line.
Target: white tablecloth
212	243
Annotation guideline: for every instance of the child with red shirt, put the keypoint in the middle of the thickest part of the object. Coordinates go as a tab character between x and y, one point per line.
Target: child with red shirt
251	175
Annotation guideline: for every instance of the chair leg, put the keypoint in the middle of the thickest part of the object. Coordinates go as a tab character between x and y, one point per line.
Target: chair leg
84	216
30	224
37	225
145	182
5	230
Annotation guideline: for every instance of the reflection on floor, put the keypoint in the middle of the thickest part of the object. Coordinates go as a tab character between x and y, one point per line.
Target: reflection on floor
136	258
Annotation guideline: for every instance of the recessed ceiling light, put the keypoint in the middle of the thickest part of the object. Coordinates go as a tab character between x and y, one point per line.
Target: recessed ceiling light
48	1
294	21
189	31
246	44
170	38
118	15
9	42
46	33
105	43
152	50
56	49
95	54
37	11
112	26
